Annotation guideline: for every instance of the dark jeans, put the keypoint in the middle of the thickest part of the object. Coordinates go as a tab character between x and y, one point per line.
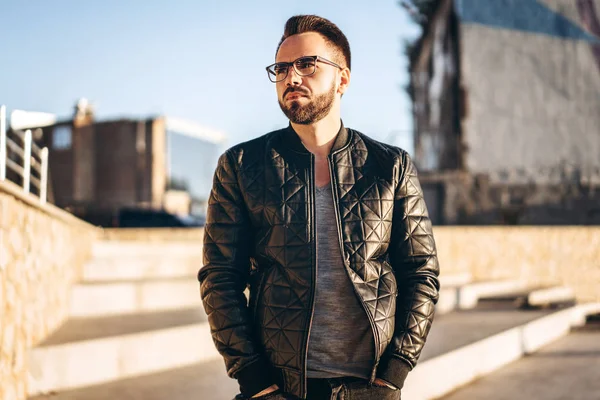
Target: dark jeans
341	389
348	389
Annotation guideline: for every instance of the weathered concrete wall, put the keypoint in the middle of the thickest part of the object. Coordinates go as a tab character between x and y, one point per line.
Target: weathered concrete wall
461	198
532	97
42	251
539	255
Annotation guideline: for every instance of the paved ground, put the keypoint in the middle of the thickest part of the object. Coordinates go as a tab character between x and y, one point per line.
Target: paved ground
568	369
208	381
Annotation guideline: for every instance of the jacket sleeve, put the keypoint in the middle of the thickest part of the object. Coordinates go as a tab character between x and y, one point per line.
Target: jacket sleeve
414	259
223	279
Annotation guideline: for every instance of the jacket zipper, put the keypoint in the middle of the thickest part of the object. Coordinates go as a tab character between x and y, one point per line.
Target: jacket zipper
261	283
341	243
314	272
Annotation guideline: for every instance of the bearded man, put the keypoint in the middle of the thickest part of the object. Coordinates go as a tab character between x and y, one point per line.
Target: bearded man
329	231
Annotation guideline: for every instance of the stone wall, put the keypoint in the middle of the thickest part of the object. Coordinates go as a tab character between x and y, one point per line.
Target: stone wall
539	255
567	255
42	251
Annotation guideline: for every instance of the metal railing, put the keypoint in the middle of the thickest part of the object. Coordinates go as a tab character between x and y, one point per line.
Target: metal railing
22	156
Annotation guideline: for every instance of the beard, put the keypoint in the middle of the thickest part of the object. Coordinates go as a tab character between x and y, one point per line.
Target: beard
314	111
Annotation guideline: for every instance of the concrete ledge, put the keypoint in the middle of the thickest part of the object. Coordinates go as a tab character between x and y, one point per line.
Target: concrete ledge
533	297
463	365
89	300
582	311
131	268
116	249
448	300
549	296
449	290
94	328
91	362
457	292
154	234
469	295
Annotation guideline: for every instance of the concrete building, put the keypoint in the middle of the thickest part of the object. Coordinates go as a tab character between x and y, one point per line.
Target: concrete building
506	101
99	167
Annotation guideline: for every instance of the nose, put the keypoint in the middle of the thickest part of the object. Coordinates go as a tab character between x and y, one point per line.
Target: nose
292	78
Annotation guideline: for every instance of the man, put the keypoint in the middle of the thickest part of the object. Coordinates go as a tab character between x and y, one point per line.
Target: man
329	231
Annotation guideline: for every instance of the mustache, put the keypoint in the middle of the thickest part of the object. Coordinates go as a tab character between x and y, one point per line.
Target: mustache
295	90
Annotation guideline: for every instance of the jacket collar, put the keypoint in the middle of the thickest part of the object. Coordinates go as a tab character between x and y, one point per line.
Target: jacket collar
292	139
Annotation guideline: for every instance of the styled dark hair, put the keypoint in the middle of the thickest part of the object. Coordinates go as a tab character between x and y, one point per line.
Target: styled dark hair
313	23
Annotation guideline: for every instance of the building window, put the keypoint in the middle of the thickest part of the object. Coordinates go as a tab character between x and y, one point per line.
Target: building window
61	138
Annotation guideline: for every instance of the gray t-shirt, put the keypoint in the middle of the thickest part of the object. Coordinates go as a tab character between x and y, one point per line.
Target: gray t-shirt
341	341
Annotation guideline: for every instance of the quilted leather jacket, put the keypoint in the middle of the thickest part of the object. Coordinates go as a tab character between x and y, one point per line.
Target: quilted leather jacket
260	234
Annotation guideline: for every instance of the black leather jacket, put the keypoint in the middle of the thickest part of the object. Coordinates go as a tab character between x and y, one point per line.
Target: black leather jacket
260	232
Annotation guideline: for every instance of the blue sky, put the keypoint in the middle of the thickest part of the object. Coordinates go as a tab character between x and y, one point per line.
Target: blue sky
198	60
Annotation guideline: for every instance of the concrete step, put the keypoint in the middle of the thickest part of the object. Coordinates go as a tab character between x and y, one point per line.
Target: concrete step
469	295
592	324
464	327
551	296
101	269
458	292
572	360
105	248
536	297
485	338
463	364
88	351
448	300
134	296
449	285
205	381
565	369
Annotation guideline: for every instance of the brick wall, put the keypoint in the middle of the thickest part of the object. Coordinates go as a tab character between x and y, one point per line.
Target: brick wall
540	255
42	251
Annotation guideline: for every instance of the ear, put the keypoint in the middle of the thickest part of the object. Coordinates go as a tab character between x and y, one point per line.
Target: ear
344	81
